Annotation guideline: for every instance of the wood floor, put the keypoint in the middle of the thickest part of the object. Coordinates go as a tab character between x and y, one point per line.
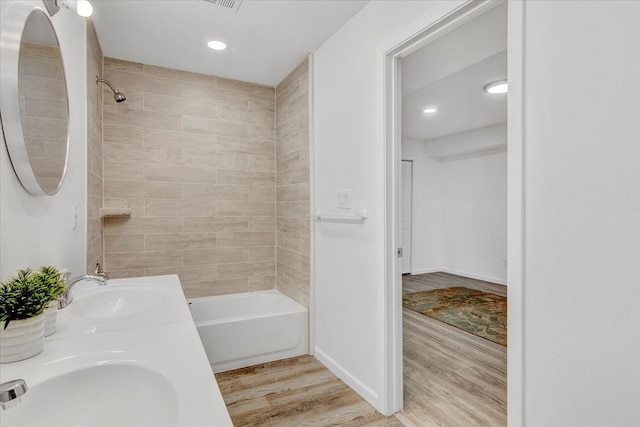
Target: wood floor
451	378
295	392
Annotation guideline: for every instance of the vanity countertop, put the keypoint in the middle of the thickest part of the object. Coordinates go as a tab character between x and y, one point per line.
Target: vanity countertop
135	369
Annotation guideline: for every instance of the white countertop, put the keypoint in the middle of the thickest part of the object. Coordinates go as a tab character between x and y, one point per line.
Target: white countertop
162	340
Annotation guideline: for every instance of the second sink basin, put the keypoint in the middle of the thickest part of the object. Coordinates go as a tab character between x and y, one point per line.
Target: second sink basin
113	395
118	301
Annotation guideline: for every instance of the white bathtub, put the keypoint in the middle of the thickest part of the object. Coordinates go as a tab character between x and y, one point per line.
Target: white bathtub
247	329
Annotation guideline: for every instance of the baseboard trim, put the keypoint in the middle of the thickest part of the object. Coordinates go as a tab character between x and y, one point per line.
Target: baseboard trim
490	279
339	371
426	270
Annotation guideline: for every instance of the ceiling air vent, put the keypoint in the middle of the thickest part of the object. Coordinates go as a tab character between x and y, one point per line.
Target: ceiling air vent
230	5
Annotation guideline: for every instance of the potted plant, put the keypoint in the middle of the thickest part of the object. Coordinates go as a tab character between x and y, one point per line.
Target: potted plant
22	304
51	279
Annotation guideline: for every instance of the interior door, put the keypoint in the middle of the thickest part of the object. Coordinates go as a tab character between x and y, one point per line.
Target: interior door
405	215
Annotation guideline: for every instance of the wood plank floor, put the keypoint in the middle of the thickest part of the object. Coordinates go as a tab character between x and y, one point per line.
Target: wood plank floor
295	392
451	378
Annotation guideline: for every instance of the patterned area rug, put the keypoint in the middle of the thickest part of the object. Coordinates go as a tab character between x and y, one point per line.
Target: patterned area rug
480	313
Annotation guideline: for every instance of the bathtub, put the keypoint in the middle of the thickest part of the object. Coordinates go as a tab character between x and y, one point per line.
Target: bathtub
246	329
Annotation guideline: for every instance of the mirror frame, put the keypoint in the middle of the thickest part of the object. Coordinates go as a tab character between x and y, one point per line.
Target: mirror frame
12	28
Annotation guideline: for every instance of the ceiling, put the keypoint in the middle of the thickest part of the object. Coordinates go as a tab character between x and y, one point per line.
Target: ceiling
266	39
449	74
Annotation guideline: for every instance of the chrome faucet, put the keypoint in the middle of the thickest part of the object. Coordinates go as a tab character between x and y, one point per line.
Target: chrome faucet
66	297
98	272
11	392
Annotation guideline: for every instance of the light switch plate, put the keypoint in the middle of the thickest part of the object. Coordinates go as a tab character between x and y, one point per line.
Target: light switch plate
344	199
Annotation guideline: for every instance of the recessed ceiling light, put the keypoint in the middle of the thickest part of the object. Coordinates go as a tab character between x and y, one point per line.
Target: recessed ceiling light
430	110
217	45
84	8
497	87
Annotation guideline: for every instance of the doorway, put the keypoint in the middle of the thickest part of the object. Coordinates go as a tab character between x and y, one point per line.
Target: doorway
393	58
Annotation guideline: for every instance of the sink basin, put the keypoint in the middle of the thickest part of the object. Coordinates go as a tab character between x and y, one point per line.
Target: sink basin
111	394
117	302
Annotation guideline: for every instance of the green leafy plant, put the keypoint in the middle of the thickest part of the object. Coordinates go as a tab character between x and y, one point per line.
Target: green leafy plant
27	294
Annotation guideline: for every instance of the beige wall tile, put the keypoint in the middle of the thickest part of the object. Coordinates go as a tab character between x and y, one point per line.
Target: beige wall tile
136	81
215	256
262	194
294	209
289	258
122	274
124	243
226	145
135	205
198	141
121	65
216	287
118	116
245	269
288	192
183	208
288	225
249	88
265	223
298	244
168	73
142	225
140	260
261	163
245	239
265	103
129	136
196	164
180	174
214	160
216	224
162	138
202	273
124	171
161	242
241	208
213	127
265	253
141	155
252	178
262	283
214	192
142	190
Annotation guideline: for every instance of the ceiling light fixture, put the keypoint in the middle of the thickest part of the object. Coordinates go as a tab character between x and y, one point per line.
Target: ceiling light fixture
497	87
81	7
217	45
430	110
84	8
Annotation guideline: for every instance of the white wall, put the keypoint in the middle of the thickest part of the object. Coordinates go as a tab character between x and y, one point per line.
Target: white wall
582	206
474	216
36	230
459	206
426	207
349	282
582	213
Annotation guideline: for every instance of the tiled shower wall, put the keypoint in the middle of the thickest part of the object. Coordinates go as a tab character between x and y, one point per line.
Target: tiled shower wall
292	185
94	150
193	157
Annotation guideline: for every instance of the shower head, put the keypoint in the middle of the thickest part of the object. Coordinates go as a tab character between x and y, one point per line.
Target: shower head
117	95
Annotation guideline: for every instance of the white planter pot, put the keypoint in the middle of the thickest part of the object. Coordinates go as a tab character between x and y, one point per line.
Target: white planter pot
22	339
50	317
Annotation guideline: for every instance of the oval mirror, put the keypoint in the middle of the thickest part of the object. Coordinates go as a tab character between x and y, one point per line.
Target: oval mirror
34	107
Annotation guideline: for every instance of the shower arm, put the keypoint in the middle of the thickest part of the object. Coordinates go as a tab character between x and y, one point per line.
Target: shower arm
99	80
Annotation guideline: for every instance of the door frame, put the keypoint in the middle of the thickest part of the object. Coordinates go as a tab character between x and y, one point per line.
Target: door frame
444	17
404	244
